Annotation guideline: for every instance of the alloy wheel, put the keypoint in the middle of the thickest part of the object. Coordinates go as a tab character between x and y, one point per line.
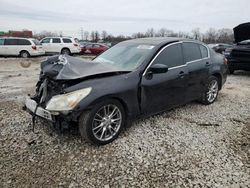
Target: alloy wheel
107	122
212	90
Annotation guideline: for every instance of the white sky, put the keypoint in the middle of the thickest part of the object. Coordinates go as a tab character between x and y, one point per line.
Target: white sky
121	16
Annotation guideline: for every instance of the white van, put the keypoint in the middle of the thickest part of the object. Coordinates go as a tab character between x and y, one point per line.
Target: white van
61	45
24	47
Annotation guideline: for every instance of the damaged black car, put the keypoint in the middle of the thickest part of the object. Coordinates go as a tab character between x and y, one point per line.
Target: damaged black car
135	78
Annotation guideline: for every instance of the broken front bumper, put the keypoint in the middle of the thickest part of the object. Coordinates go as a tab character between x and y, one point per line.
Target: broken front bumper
31	106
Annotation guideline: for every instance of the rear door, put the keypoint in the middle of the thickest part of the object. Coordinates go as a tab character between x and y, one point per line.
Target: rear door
11	46
196	56
23	44
165	90
56	45
2	47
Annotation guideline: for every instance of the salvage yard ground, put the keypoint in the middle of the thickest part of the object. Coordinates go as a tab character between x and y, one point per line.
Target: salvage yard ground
193	145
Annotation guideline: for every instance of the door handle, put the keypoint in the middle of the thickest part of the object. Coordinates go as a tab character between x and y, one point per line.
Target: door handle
207	64
181	74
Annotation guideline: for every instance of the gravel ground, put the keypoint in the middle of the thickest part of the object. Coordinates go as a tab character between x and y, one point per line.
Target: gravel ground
191	146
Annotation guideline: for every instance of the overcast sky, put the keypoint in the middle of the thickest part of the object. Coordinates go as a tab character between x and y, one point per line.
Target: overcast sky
121	16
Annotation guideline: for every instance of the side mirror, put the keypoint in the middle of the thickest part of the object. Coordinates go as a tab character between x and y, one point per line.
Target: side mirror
158	68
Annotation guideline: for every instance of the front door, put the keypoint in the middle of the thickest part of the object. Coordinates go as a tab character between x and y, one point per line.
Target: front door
163	91
46	45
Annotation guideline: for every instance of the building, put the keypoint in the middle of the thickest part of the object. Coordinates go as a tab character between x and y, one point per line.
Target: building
24	34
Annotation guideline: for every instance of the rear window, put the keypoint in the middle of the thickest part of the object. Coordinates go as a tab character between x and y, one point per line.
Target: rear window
56	40
1	41
204	52
10	42
36	42
23	42
191	51
67	40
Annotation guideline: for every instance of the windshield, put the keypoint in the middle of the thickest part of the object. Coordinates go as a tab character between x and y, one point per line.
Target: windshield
124	56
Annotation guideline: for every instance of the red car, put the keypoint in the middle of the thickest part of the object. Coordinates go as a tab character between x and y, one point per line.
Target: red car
94	49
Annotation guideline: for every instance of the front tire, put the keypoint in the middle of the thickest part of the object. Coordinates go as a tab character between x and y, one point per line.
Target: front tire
103	123
211	90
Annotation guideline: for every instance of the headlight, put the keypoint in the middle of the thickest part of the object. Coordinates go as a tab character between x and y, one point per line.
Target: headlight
68	101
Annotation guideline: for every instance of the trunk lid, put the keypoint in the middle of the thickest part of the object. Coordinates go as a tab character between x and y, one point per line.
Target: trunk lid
242	32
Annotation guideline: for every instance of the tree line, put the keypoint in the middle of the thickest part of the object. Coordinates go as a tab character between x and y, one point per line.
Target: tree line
212	35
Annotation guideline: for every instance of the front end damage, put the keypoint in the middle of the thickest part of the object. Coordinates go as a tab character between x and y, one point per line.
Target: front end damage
47	87
63	84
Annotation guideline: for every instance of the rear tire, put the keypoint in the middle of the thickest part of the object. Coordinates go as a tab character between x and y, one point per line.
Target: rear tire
24	54
211	91
103	123
65	51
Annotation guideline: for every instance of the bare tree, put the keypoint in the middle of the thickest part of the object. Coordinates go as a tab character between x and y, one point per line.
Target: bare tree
150	33
92	36
104	35
97	36
196	33
43	34
210	36
86	35
225	36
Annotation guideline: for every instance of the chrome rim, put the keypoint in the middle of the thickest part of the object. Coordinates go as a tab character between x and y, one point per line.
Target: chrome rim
212	91
107	122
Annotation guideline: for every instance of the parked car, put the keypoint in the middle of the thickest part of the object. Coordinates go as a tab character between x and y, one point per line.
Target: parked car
135	78
61	45
23	47
239	55
94	48
220	47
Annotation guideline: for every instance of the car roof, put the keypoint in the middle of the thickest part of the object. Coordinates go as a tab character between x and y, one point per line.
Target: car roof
159	40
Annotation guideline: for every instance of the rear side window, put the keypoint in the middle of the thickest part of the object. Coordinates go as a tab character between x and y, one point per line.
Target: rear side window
204	52
23	42
67	40
10	42
171	56
191	51
1	41
56	40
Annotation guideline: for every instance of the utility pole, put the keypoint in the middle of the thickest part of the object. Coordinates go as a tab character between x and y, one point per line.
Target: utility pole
81	33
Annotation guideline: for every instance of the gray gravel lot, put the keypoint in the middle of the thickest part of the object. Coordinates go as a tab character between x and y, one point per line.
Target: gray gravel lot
191	146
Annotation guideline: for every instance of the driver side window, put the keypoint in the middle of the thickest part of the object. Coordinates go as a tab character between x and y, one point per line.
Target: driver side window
170	56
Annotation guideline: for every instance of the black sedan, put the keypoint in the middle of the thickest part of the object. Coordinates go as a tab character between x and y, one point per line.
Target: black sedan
135	78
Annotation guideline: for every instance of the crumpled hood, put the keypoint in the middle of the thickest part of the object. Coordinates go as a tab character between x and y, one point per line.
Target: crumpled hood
242	32
64	67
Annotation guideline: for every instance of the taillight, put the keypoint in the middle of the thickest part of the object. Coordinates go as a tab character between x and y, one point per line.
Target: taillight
33	47
225	61
76	45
